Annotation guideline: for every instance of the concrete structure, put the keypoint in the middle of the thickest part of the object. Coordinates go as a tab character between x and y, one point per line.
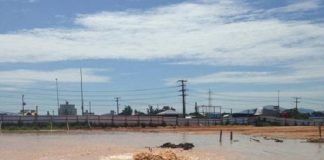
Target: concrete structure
67	109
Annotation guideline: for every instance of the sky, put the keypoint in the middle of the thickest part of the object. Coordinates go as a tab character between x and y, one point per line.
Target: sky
243	51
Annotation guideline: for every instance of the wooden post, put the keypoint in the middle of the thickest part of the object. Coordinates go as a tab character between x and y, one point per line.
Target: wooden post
320	130
231	136
67	123
220	136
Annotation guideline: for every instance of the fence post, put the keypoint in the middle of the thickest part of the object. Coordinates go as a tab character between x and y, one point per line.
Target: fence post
112	120
162	121
1	122
89	125
320	130
51	123
126	122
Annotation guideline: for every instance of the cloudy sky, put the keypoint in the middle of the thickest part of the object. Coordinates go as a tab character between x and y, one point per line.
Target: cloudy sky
244	51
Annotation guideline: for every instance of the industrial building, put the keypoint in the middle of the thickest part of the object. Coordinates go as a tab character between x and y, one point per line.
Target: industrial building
67	109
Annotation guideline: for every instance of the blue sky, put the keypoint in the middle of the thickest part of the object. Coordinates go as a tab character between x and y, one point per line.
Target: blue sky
244	51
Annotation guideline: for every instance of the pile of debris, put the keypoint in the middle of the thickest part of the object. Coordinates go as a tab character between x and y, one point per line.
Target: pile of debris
184	146
163	155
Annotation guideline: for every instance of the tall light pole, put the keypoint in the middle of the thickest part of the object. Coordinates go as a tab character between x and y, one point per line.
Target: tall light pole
57	97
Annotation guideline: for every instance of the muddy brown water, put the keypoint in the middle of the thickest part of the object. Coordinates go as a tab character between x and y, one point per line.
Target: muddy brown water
109	145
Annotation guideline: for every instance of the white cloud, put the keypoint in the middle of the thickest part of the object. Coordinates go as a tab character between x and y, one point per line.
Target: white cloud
204	32
302	72
299	6
28	77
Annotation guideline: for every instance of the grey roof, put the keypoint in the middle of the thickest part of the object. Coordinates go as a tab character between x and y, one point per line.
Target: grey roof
168	112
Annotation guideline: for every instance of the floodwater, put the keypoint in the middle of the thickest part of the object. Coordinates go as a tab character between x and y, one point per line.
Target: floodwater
113	145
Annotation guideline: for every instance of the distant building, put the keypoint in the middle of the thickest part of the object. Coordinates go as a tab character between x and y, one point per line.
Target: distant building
88	113
28	112
67	109
169	113
269	110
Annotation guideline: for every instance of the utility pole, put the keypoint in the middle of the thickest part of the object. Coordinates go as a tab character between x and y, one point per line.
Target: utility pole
209	98
57	96
37	110
297	100
117	104
183	94
196	109
23	104
278	98
81	92
90	107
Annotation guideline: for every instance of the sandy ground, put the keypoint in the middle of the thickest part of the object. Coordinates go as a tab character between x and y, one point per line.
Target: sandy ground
288	132
85	146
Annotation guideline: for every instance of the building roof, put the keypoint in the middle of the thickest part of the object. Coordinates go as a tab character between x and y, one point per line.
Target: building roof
168	112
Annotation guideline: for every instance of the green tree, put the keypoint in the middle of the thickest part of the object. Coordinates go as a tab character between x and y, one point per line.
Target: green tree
127	111
136	112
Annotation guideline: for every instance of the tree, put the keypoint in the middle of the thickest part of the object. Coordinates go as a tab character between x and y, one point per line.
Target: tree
139	113
127	111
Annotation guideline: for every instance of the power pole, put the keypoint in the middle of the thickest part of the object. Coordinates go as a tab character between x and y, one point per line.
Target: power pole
183	94
57	96
297	100
209	98
196	109
23	104
37	110
90	107
81	92
117	104
278	98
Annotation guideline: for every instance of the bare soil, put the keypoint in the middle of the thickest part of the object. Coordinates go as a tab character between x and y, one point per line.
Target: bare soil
289	132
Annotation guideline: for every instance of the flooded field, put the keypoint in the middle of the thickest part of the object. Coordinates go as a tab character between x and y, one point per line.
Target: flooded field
109	145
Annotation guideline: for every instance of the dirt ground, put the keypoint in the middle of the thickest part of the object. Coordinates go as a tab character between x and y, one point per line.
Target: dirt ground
289	132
